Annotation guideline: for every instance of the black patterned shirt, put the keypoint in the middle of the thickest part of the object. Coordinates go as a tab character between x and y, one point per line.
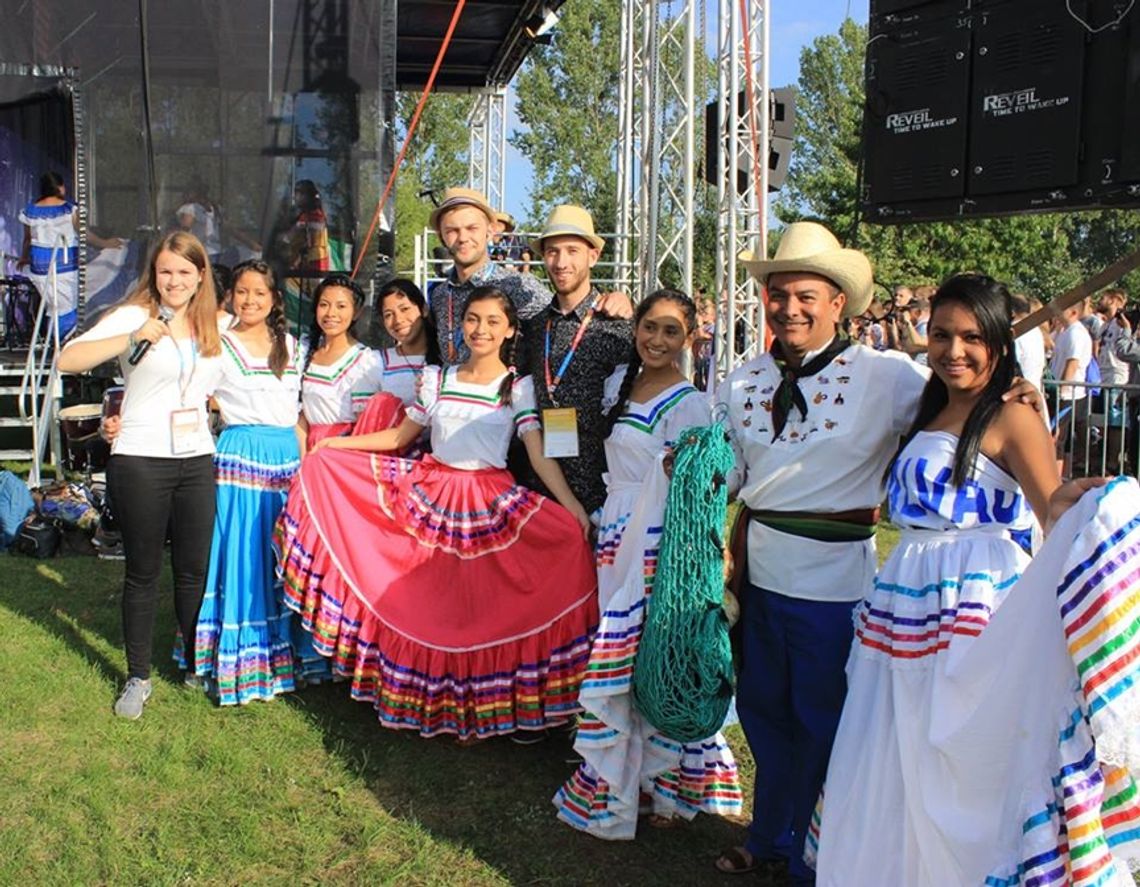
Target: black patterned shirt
607	343
449	297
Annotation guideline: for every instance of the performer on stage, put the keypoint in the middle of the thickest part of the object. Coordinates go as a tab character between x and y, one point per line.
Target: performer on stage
51	237
628	765
967	751
455	600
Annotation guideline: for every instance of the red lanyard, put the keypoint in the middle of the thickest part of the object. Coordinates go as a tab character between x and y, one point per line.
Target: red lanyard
552	384
450	328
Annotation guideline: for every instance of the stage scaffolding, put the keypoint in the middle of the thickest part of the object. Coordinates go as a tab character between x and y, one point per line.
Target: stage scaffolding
487	152
660	114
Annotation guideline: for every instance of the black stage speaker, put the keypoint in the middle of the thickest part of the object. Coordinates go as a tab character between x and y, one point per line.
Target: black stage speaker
781	133
987	107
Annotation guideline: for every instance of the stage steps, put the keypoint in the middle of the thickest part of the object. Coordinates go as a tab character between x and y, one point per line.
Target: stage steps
15	432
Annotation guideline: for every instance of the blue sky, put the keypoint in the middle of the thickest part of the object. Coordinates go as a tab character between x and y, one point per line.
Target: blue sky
794	24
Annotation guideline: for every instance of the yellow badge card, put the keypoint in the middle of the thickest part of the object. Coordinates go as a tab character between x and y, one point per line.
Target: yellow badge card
184	425
560	432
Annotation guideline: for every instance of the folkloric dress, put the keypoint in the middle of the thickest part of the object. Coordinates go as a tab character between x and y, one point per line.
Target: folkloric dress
333	396
454	599
398	379
990	705
624	755
243	638
54	236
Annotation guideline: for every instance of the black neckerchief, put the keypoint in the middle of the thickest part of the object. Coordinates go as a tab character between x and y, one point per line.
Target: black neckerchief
788	395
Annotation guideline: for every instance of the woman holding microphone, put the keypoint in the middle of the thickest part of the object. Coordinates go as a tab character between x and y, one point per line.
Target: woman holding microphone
161	472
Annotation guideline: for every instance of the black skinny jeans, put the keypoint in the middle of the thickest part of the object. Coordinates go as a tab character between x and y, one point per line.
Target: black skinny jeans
147	495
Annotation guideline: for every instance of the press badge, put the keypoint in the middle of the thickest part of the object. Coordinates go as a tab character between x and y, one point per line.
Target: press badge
184	426
560	432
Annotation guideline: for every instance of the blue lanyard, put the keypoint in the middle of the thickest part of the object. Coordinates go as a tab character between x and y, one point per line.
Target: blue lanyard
182	389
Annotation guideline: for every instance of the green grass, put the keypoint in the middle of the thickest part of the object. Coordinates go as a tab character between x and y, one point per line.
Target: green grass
307	789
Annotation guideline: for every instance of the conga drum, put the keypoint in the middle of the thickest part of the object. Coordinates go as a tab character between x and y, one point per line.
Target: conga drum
83	448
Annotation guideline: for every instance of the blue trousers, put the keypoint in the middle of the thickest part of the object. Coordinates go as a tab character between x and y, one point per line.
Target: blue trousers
789	697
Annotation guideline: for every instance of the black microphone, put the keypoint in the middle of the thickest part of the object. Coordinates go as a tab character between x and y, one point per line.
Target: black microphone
165	314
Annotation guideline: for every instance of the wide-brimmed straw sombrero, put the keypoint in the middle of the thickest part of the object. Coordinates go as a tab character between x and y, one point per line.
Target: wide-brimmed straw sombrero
809	248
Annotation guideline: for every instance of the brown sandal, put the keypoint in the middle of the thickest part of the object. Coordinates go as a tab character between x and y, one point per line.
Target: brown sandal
735	861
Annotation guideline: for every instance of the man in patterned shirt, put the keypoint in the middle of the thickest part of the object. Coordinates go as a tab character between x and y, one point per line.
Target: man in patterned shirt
570	347
465	222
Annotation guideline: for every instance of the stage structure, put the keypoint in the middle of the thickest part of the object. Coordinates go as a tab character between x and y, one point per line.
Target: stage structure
487	151
265	126
275	118
659	115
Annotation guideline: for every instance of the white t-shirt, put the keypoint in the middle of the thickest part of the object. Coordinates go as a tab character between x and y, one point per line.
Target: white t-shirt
250	393
337	393
1030	350
859	406
469	427
204	227
172	375
1072	343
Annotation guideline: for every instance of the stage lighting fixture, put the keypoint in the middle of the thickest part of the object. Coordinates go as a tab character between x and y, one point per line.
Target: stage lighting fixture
542	22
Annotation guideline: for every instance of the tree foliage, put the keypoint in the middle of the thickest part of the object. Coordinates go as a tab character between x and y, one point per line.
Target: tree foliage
568	100
1042	253
436	160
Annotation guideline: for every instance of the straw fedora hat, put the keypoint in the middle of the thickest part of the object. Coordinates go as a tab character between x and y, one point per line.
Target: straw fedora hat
810	248
568	220
454	197
506	220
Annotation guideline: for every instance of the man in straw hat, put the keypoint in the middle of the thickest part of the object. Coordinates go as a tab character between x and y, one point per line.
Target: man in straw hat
466	224
815	423
571	348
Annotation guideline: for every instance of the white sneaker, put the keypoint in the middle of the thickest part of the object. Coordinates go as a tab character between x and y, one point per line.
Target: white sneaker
131	701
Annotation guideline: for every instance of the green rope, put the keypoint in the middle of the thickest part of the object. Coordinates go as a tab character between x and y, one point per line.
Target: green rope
683	675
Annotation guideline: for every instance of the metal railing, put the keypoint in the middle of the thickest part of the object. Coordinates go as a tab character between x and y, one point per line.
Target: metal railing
1097	434
39	400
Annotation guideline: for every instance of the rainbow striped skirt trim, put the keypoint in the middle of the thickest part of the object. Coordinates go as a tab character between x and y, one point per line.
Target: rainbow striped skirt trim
455	601
243	637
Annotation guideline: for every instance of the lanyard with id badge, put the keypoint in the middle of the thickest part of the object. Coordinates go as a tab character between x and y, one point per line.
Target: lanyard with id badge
185	421
560	424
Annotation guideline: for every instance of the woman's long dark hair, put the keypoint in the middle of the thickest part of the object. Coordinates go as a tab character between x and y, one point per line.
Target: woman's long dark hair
340	279
989	302
509	350
50	183
279	353
634	367
403	287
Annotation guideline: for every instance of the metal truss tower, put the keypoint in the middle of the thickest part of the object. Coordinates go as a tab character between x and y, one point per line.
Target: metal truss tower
742	182
487	152
660	113
656	165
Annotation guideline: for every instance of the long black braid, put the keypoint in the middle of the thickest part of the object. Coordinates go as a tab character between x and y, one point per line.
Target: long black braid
511	346
634	367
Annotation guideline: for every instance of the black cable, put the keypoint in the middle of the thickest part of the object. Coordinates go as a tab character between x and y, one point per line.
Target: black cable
148	136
